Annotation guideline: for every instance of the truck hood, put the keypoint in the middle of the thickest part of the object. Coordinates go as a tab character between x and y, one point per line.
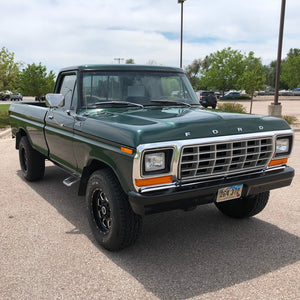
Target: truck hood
160	124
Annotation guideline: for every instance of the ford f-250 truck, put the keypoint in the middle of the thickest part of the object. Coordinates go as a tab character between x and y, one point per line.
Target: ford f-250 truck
138	141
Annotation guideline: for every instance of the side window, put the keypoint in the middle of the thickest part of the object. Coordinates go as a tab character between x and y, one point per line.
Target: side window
67	89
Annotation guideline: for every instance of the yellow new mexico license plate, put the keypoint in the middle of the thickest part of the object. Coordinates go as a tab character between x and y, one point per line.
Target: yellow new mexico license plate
228	193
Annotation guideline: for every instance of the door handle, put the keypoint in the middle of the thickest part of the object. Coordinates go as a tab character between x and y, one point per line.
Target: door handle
50	117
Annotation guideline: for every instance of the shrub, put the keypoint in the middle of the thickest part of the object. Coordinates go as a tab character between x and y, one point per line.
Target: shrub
4	117
242	97
232	107
290	119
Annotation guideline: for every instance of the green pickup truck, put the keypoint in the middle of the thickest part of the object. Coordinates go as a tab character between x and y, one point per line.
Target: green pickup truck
138	142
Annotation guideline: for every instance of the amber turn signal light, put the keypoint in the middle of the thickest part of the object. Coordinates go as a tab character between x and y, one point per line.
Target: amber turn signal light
153	181
277	162
126	150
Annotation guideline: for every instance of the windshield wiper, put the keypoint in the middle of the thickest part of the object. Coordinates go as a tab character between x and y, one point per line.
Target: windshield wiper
172	102
118	103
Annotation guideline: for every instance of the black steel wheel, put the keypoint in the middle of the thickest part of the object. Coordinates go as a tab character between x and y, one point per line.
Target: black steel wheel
113	223
101	210
31	161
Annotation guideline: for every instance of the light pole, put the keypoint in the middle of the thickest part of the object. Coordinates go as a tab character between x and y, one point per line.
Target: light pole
181	32
119	59
275	108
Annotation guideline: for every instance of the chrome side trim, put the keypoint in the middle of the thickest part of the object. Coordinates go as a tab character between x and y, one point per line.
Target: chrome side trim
279	168
154	188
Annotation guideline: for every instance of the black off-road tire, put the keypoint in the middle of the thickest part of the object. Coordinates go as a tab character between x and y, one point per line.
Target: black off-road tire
31	161
244	207
113	223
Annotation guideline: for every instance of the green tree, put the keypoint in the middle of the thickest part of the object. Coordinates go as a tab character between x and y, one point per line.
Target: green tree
34	80
130	61
270	73
9	70
289	67
290	70
226	67
293	52
252	78
193	72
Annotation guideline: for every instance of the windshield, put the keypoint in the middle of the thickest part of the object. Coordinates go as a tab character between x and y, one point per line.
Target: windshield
146	88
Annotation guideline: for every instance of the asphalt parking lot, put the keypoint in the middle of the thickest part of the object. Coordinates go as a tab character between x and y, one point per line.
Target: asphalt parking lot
47	250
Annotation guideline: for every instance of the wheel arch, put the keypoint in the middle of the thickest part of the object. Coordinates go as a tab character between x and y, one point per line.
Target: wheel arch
88	170
21	132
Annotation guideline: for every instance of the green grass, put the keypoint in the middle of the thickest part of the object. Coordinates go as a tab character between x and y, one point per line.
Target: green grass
4	118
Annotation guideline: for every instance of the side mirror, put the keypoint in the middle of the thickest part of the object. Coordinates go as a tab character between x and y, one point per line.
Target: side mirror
55	100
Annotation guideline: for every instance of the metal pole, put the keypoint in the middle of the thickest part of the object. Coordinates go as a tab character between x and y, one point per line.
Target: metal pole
119	59
181	34
279	52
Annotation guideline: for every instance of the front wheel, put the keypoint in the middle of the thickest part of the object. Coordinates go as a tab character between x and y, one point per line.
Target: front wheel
244	207
114	224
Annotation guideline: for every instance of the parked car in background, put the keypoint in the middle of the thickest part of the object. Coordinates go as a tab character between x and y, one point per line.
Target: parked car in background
208	98
16	97
296	92
270	92
5	95
232	95
42	98
285	93
218	95
261	93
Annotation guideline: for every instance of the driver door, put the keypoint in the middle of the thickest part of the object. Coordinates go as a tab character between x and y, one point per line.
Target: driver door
60	124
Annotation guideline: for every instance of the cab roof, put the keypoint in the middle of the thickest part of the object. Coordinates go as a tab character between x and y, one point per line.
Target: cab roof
119	67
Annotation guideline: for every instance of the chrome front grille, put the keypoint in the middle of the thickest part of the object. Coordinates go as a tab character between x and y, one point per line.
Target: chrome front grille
220	159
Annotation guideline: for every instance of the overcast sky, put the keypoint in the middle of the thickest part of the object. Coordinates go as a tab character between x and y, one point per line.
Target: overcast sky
60	33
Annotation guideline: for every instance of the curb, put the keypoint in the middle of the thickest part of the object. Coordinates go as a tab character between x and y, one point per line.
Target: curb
5	134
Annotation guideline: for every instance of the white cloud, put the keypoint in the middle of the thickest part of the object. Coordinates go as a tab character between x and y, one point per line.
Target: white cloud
62	33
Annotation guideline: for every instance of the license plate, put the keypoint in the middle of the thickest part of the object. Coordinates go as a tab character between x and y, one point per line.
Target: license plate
228	193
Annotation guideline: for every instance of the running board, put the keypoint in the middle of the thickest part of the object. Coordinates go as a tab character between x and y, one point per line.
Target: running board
71	180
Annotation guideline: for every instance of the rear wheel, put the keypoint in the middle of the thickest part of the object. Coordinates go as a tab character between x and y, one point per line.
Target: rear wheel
32	162
114	224
244	207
